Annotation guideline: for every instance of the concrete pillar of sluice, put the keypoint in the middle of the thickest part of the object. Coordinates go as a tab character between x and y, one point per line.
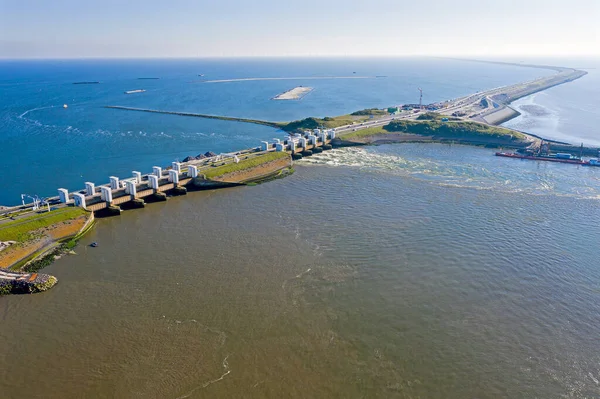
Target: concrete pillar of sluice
157	171
109	211
156	197
264	145
106	194
138	176
90	188
153	181
130	188
176	166
302	142
331	134
192	171
276	141
174	176
63	194
312	139
136	203
114	182
178	191
279	147
79	200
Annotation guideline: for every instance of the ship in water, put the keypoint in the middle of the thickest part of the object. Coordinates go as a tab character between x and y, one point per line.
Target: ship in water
135	91
544	154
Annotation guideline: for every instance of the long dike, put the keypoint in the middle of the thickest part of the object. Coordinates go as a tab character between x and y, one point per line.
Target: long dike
196	115
502	98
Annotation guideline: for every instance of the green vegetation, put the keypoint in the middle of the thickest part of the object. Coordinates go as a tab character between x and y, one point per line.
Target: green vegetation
369	111
331	122
452	130
20	229
444	130
434	116
244	164
46	260
314	123
371	131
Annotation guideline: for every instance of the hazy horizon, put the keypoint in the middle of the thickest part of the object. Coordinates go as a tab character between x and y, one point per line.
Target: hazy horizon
265	28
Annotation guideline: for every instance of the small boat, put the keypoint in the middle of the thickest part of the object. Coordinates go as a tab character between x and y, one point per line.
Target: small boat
65	106
200	74
135	91
94	244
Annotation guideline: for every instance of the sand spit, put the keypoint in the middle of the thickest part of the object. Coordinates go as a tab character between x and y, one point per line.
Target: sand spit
297	93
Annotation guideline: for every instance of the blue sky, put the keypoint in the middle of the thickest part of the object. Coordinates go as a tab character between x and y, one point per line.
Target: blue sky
184	28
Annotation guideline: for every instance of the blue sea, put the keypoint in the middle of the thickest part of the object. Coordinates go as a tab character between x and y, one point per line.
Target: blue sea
44	146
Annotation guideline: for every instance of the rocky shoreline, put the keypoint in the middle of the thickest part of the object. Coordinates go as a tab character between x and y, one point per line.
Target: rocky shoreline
25	283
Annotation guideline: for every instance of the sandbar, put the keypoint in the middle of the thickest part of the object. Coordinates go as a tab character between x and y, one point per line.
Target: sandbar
296	93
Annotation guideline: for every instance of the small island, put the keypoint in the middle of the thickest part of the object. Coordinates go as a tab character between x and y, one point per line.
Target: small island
297	93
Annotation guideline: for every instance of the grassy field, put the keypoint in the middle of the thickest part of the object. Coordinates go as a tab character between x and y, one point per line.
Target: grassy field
327	122
464	130
20	230
371	131
369	111
243	165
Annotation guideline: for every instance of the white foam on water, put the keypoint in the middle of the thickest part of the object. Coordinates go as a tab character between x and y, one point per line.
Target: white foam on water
456	174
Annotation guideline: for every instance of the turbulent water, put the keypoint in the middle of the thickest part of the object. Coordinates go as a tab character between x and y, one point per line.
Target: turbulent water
396	271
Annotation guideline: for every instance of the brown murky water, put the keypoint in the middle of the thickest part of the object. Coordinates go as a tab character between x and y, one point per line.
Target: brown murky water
352	281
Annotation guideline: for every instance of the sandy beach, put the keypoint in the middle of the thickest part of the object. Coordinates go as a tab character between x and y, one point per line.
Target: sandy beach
296	93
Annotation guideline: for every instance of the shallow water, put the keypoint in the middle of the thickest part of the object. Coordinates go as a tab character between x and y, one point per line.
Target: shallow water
411	271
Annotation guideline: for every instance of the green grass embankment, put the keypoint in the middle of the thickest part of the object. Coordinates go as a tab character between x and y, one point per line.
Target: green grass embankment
20	230
451	130
369	112
243	164
330	122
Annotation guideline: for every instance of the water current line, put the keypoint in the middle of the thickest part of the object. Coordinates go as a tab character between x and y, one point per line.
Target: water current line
227	371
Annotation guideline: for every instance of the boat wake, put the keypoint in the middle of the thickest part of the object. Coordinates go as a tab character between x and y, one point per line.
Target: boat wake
35	109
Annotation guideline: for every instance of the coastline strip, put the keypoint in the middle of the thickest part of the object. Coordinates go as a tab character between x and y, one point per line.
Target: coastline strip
289	78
